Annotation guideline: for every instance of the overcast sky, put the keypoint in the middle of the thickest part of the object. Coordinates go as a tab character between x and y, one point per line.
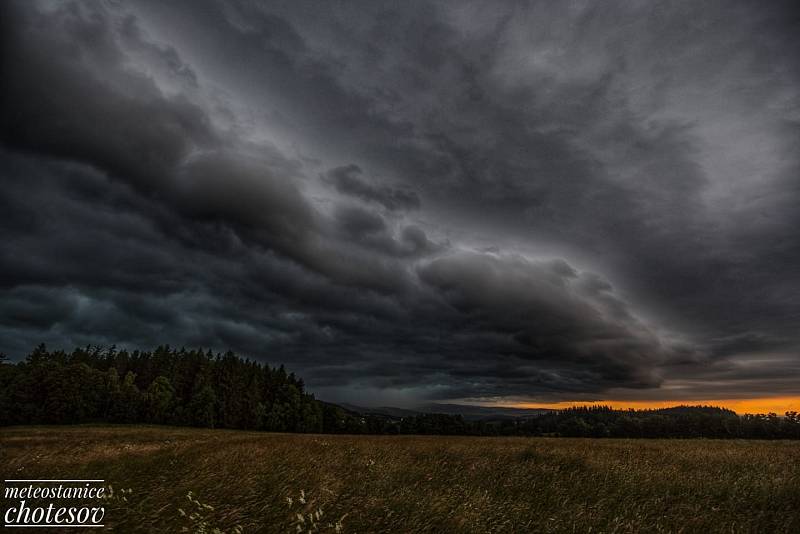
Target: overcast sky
407	202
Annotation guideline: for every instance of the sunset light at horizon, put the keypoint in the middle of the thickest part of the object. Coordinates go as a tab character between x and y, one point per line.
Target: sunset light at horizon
778	405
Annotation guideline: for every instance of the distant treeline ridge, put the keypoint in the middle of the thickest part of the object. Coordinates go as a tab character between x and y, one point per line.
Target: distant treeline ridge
205	389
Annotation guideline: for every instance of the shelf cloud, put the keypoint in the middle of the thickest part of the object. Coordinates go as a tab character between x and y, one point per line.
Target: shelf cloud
539	202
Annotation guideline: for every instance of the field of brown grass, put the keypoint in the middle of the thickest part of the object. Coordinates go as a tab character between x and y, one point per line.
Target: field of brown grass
259	482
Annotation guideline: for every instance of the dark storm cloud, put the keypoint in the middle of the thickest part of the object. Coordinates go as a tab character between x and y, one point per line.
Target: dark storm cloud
348	180
64	76
371	231
244	191
551	206
549	313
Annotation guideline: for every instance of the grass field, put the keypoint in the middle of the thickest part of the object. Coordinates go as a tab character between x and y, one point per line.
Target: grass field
417	484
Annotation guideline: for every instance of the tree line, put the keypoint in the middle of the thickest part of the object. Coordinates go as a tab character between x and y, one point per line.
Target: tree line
165	386
215	390
676	422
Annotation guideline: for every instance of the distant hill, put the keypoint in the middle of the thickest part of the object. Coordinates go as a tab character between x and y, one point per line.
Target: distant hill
380	410
472	412
468	412
479	413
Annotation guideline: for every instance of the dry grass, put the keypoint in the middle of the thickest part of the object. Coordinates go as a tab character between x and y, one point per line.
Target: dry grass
420	484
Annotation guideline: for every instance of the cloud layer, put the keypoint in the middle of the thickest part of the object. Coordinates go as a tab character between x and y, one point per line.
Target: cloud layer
549	201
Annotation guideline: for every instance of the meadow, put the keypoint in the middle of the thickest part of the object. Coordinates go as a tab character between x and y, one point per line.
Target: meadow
167	479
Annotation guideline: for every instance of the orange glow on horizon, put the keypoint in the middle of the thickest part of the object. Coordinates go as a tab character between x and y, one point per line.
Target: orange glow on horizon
778	405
